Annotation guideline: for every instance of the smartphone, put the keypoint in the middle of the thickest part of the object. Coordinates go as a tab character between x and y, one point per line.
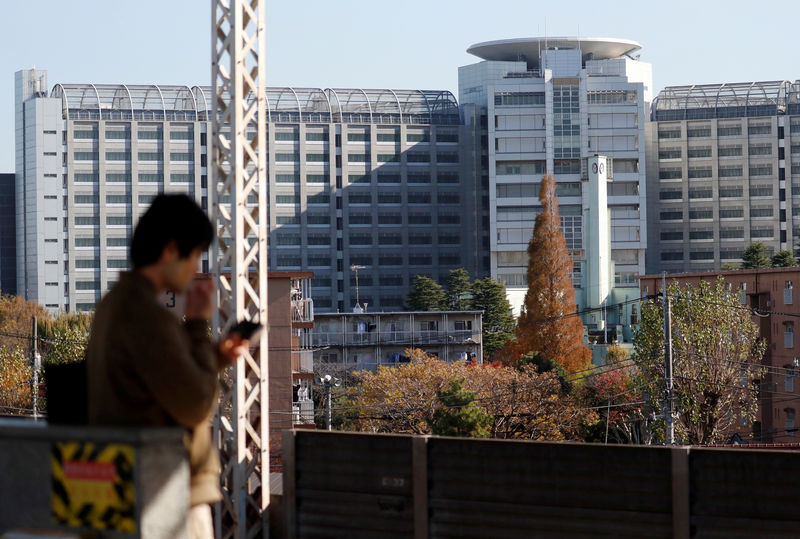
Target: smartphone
247	330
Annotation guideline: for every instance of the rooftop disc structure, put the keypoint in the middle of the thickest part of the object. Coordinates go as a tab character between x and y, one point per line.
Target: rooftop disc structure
529	48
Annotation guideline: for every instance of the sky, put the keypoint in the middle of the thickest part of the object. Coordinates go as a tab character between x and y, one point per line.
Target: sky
416	44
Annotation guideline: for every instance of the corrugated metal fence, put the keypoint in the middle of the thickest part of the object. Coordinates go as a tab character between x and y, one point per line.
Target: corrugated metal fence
359	485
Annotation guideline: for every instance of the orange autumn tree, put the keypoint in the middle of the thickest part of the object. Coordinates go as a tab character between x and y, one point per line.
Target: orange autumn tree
548	323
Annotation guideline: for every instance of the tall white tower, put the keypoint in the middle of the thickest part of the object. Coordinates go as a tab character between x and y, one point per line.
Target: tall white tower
599	272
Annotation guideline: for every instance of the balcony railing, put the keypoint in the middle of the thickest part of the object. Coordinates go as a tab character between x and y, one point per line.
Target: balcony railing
303	310
303	412
395	338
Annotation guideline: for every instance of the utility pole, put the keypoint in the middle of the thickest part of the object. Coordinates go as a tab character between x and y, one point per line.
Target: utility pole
328	407
668	414
35	366
328	381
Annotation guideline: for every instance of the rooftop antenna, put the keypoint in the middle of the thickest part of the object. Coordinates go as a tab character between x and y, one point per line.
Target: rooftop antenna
545	32
539	45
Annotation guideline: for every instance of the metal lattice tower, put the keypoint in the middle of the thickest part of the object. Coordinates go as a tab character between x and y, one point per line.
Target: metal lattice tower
238	192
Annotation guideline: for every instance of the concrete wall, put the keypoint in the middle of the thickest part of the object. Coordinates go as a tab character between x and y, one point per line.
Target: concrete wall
160	475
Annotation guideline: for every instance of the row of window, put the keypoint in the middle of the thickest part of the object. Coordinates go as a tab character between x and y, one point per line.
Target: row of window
364	136
728	233
94	263
119	198
94	241
383	238
381	177
126	156
724	192
383	197
81	133
705	131
724	213
143	177
368	260
729	171
722	151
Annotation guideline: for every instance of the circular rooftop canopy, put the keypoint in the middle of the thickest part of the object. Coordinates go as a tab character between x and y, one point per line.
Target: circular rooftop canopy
528	48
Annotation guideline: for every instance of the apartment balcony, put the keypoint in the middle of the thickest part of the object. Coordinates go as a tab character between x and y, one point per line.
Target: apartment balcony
302	304
303	361
303	310
303	412
396	338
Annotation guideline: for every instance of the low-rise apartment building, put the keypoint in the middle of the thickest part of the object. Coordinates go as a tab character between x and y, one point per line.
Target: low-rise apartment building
367	340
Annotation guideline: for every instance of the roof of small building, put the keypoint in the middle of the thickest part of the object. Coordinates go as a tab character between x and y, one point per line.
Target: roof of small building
369	313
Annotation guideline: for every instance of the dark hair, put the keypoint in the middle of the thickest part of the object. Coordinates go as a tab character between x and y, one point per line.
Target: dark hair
169	218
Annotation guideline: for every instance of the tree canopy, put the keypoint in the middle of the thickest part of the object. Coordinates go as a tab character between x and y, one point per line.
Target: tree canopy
458	290
458	414
756	256
489	296
61	339
716	356
783	259
426	295
548	323
412	398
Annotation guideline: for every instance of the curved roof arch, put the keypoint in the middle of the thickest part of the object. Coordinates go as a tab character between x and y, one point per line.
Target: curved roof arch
328	104
765	95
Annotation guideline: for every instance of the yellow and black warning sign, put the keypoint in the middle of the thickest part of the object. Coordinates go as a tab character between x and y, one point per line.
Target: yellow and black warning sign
93	485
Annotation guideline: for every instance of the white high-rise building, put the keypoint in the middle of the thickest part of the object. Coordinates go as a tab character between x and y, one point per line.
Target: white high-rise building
547	105
379	179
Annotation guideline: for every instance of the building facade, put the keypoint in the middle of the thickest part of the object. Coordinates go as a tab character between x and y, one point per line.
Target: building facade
291	375
8	235
368	340
381	179
770	292
723	171
545	105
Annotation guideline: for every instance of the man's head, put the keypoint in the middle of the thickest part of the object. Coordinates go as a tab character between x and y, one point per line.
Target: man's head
171	237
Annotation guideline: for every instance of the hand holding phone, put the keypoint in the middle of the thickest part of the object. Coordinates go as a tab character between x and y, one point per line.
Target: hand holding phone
237	341
247	330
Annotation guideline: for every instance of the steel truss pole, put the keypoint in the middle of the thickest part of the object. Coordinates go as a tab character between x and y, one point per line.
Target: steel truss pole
238	192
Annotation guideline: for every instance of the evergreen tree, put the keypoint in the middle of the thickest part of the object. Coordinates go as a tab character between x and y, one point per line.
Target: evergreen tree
783	259
458	414
457	294
755	256
426	295
489	296
548	323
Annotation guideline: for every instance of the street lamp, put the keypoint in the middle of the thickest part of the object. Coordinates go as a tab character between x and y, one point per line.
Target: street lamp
327	381
355	268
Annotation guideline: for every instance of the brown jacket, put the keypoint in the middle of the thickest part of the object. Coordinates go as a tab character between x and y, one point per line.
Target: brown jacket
146	368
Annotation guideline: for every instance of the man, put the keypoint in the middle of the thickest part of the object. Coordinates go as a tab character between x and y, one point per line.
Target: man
145	367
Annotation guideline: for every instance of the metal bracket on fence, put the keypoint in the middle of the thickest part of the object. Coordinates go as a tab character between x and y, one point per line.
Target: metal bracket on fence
289	484
419	475
681	520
